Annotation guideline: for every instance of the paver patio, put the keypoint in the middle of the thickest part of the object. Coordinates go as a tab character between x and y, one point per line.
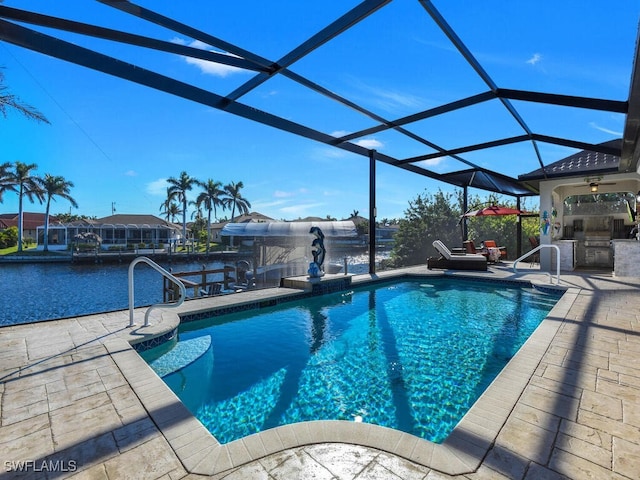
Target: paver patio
76	401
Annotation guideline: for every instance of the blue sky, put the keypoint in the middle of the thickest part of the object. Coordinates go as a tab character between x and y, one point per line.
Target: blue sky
118	141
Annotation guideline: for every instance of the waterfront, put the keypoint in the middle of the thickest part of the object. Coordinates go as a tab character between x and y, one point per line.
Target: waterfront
34	292
43	291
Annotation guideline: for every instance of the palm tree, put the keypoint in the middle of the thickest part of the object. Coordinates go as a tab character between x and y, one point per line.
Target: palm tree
178	190
197	213
210	198
198	224
6	180
7	100
235	200
28	185
169	208
55	186
173	211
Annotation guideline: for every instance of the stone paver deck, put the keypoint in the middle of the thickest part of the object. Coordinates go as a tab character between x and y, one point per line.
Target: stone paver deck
76	401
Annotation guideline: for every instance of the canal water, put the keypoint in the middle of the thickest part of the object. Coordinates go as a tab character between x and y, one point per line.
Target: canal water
44	291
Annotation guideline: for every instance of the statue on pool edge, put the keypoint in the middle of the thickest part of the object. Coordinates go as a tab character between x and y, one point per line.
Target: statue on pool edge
318	251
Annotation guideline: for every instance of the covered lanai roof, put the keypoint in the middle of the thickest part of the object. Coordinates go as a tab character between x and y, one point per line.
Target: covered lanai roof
586	162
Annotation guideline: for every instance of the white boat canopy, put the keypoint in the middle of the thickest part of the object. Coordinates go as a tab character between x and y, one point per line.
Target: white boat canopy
344	228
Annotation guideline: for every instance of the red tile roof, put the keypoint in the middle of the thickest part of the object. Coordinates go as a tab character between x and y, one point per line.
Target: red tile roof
30	220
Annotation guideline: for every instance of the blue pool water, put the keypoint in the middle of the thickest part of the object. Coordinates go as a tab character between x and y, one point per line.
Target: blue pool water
413	356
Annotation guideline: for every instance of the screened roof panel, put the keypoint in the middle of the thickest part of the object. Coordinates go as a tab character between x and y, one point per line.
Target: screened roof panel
513	50
281	95
469	125
572	123
325	69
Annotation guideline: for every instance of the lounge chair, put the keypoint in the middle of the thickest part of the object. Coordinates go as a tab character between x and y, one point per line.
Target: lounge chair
455	261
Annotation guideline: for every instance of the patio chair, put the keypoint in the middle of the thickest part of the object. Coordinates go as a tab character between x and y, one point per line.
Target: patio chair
470	247
449	260
211	289
492	244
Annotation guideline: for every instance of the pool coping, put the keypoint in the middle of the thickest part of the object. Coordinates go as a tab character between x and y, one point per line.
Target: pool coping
462	452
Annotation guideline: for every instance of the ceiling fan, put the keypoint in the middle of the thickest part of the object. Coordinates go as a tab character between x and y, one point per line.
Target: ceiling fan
595	182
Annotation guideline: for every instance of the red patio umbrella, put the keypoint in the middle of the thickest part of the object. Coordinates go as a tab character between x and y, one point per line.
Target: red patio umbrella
493	210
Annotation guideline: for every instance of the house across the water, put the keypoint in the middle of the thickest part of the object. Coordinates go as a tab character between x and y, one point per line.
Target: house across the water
115	232
30	223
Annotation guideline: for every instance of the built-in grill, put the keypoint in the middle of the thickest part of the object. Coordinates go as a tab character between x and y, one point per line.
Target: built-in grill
595	242
596	250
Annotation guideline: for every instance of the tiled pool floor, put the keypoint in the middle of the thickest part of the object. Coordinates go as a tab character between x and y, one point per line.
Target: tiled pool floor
76	401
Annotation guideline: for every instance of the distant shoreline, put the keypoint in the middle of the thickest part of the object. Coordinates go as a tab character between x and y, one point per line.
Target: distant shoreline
160	255
118	257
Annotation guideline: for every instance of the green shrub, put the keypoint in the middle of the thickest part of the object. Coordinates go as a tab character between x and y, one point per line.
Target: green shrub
9	237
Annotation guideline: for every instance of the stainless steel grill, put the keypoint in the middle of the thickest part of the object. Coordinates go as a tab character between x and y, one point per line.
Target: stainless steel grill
597	249
597	242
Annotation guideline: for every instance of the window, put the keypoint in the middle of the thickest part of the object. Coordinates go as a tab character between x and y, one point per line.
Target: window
599	203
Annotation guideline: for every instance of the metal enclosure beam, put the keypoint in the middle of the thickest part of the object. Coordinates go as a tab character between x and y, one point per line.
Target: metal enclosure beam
372	212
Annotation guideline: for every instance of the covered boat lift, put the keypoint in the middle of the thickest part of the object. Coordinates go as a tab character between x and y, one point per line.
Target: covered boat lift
343	228
285	246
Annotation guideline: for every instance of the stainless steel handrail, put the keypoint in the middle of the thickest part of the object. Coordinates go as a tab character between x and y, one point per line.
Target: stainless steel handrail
164	273
539	247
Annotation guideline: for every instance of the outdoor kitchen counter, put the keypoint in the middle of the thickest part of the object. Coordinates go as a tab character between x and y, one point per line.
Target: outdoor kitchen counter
626	258
567	255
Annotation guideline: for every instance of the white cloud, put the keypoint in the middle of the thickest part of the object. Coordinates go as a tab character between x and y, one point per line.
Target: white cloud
281	194
206	67
369	143
301	210
201	45
432	162
605	130
210	68
327	153
131	173
157	187
392	101
332	193
534	59
339	133
260	205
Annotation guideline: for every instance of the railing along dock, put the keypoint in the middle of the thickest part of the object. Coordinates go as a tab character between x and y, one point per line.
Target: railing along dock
169	287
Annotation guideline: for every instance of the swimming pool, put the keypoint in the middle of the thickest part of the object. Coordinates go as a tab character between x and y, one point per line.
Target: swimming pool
413	356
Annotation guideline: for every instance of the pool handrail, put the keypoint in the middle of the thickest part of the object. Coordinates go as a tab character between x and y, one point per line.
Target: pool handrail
164	273
540	247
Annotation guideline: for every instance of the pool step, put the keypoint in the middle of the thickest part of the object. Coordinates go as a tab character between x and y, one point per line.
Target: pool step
183	354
